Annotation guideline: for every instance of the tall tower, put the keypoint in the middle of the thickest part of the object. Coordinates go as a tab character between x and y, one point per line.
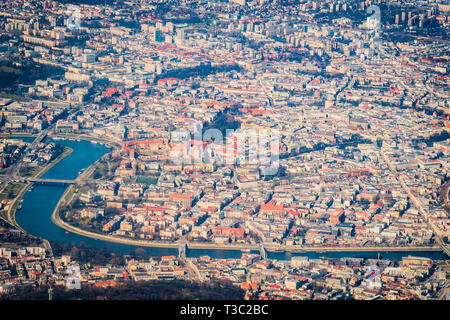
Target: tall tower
50	293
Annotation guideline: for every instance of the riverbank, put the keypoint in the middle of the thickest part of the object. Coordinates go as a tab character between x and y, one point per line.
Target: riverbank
40	218
66	152
65	136
56	218
11	216
84	137
68	195
17	134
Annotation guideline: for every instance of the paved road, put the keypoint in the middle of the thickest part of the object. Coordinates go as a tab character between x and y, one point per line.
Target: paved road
11	172
10	213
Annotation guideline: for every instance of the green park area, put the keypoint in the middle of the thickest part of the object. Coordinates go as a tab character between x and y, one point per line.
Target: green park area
11	191
8	194
147	179
24	72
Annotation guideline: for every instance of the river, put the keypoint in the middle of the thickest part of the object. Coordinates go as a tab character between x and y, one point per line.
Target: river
38	206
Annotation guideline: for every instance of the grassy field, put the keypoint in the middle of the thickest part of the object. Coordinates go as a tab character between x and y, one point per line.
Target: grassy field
25	72
147	180
69	195
9	245
11	191
29	171
14	97
4	215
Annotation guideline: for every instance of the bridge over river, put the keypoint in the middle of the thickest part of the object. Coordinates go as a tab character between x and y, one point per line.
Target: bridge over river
54	181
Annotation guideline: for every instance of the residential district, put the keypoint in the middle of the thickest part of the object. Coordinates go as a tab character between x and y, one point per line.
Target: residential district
358	103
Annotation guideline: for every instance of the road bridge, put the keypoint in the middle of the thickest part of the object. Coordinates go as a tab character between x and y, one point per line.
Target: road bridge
54	181
182	250
262	252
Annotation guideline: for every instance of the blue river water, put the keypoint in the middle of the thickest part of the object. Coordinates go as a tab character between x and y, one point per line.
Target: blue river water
38	206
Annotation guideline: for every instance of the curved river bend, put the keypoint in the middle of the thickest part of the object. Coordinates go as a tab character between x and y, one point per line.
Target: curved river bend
38	206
